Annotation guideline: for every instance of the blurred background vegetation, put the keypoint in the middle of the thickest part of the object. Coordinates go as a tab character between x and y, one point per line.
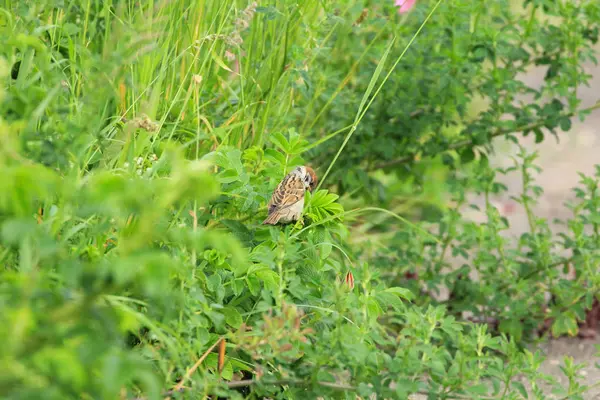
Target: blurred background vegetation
141	140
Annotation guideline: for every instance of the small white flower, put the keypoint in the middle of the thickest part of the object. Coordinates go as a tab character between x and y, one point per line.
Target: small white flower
139	161
126	164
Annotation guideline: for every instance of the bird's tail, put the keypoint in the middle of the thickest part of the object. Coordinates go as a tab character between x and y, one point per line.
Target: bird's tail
272	219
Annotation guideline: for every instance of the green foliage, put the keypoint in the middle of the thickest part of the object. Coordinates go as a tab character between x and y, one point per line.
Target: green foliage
140	142
459	85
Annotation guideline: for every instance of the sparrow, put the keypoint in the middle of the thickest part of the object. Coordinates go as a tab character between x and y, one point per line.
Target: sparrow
287	201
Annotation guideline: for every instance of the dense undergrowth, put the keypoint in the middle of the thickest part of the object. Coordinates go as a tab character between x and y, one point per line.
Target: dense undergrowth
141	140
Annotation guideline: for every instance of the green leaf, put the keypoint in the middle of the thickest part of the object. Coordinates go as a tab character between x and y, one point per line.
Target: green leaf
467	155
269	278
280	141
212	361
374	307
229	176
539	135
322	205
565	323
326	249
322	198
276	157
214	283
238	287
240	231
565	124
220	61
480	389
400	292
70	29
513	327
227	372
232	317
239	366
521	388
15	230
253	285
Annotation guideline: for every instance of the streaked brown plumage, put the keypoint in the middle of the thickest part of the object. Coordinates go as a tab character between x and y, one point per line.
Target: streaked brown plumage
287	201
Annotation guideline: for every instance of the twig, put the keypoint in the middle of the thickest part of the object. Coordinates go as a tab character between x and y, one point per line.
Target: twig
194	367
536	271
469	142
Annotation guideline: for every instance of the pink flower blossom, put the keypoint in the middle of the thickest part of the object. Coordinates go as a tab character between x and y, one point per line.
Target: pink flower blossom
405	5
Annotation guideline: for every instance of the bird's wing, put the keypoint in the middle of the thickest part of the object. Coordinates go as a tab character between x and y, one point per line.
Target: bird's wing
289	191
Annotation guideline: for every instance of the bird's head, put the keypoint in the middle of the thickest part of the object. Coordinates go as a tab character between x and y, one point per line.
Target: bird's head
310	178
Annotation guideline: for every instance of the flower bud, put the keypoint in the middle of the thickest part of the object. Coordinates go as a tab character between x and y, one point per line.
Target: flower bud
349	280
